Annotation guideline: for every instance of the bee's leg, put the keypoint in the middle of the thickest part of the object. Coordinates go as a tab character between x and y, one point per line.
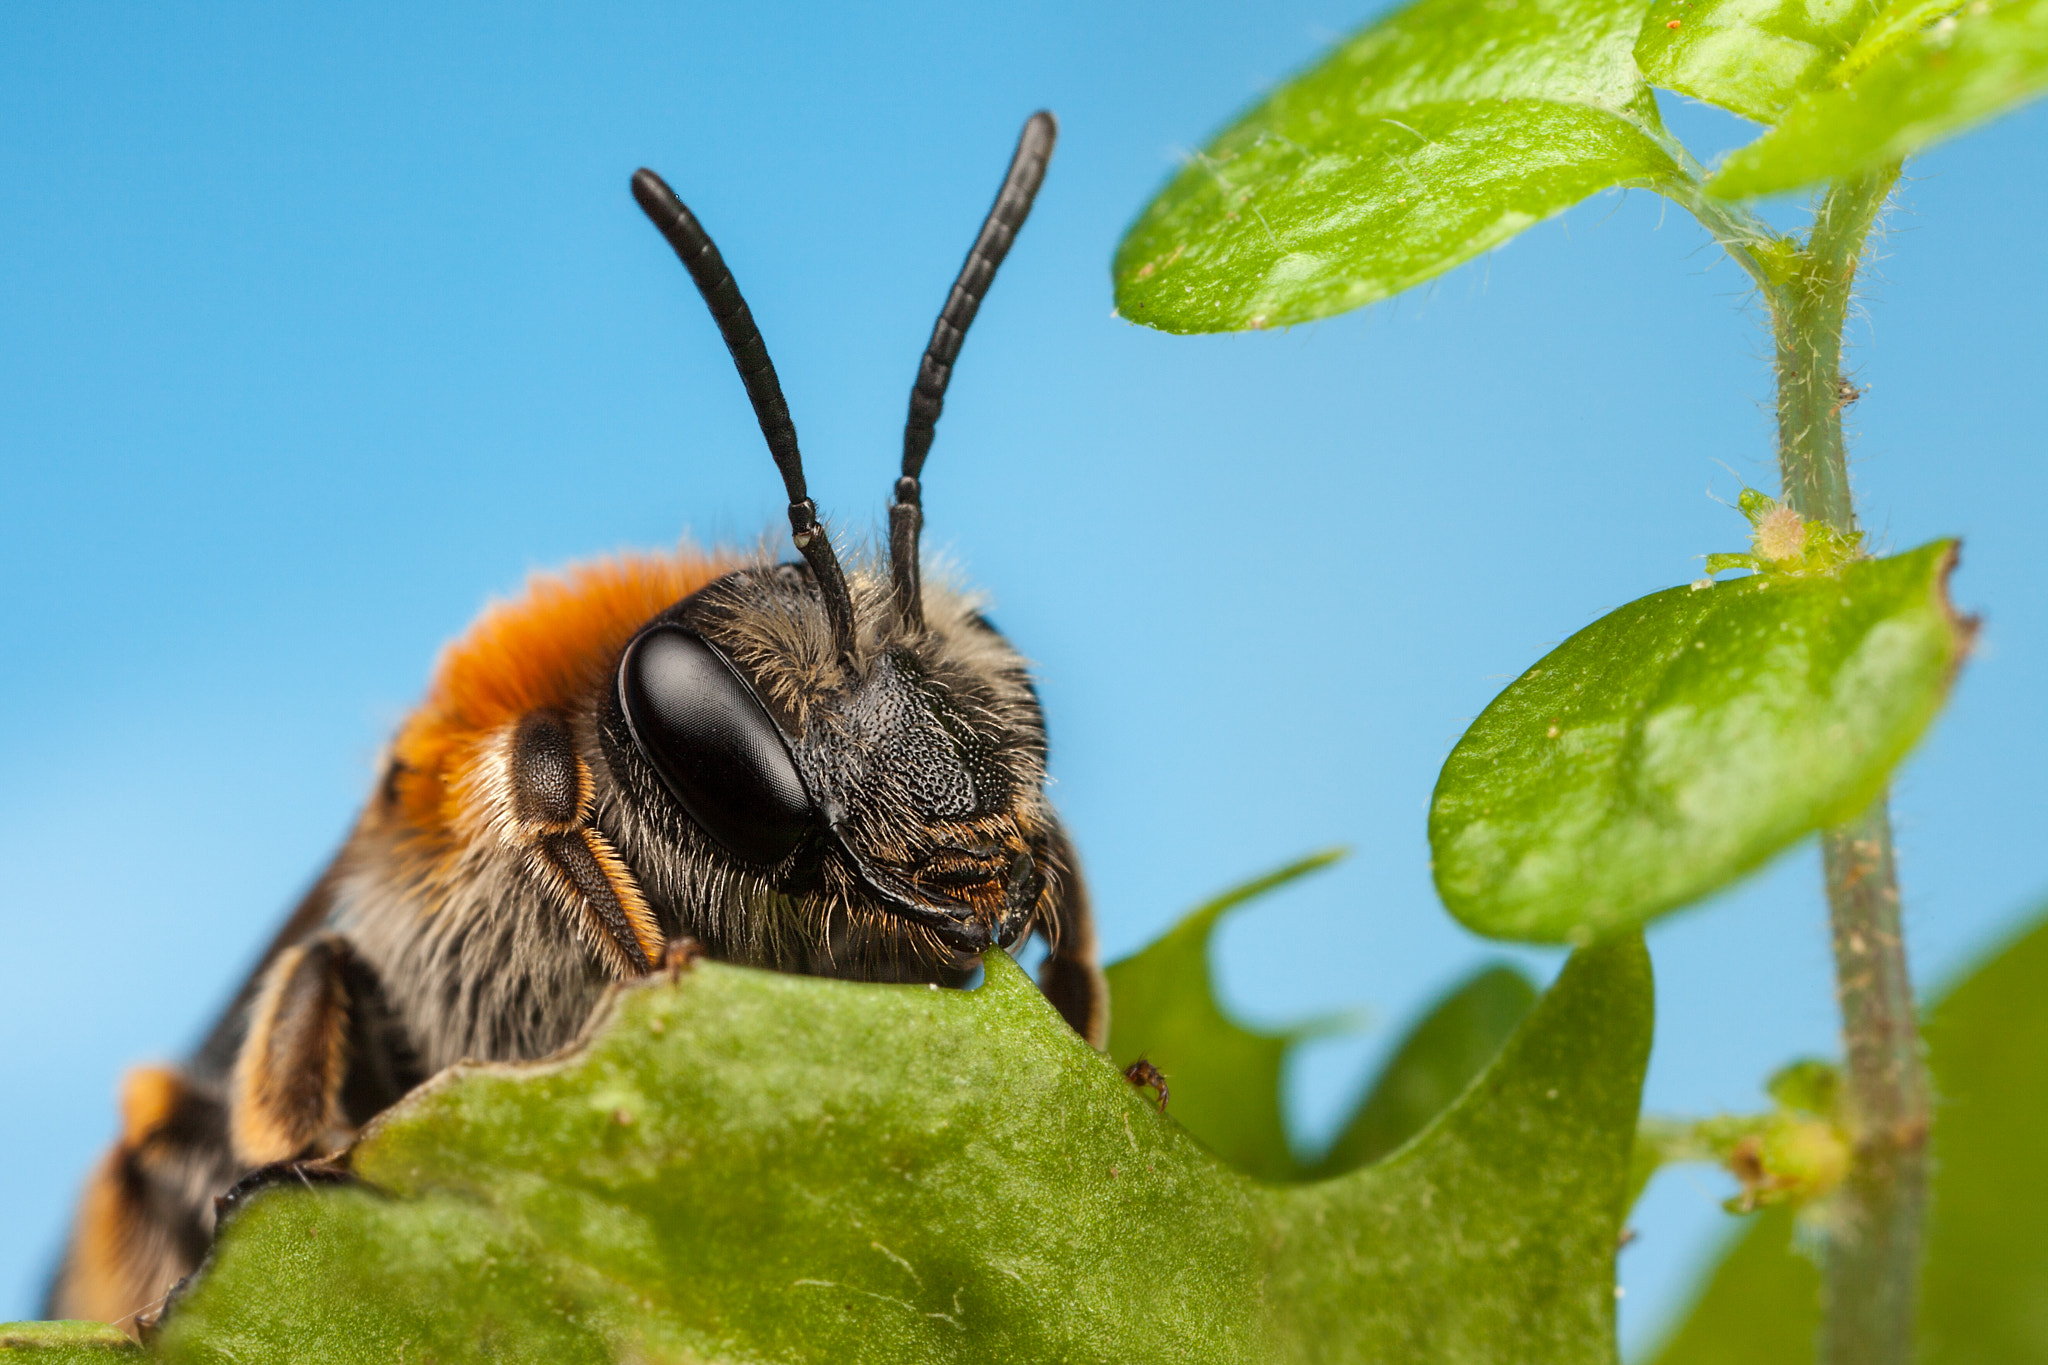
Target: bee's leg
1070	978
551	797
285	1094
147	1214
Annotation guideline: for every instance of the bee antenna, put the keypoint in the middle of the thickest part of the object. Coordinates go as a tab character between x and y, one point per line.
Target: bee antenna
699	255
935	371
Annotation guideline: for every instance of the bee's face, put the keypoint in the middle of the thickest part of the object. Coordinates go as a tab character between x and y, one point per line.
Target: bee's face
907	782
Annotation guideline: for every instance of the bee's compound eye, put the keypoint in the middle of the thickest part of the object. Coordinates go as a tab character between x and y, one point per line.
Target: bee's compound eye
707	735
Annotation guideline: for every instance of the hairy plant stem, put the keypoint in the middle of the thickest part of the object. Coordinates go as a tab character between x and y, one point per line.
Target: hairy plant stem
1808	314
1871	1275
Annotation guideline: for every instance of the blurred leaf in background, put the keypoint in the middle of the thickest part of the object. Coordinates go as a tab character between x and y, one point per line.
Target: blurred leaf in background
1985	1282
1455	1040
1226	1080
1224	1077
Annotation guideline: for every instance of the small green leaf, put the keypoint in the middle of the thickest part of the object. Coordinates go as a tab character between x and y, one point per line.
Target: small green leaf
1678	742
1225	1078
1454	1042
1807	1086
1985	1279
748	1166
1426	139
1907	85
1752	57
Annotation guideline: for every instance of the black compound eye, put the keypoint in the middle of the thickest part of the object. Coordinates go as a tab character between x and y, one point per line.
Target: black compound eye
705	732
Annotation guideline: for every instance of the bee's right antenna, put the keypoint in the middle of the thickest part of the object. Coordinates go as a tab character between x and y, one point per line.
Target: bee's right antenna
750	354
935	371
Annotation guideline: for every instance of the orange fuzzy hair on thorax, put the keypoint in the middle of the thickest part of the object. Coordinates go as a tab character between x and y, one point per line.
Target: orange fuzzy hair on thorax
546	647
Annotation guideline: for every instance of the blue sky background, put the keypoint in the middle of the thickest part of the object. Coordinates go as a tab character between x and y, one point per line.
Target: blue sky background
316	332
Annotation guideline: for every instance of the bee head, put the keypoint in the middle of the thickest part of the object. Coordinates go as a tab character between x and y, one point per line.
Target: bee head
911	776
850	733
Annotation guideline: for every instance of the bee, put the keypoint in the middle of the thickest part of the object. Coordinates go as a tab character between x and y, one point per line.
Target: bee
812	766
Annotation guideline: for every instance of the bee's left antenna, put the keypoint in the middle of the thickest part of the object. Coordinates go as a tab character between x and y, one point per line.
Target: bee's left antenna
935	371
699	255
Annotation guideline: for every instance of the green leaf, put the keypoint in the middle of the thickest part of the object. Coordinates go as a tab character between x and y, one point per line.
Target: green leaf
1454	1042
1225	1078
1987	1247
749	1166
1678	742
1907	85
1752	57
1986	1275
1763	1307
1896	23
66	1343
1426	139
1453	1261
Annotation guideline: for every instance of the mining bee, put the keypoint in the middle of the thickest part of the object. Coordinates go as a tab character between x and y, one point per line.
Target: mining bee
813	766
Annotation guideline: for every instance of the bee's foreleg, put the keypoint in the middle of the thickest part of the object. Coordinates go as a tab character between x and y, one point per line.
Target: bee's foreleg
551	799
1070	978
285	1096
